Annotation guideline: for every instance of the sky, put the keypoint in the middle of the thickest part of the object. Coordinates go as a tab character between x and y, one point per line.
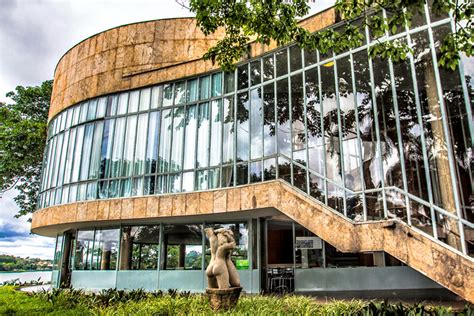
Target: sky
34	34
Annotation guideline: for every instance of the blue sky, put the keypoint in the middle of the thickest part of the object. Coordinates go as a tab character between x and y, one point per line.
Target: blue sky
36	34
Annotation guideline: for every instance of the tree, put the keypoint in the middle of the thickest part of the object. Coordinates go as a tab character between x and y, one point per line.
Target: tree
22	141
276	20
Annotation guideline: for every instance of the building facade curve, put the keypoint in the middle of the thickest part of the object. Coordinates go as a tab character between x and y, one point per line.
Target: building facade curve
134	172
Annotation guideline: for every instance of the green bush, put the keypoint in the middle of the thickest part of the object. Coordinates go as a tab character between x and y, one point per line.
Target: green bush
140	302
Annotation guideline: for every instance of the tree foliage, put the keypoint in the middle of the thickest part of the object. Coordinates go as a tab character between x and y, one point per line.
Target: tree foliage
22	142
264	21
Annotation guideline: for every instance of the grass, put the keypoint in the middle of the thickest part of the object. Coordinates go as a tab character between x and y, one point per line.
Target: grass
138	302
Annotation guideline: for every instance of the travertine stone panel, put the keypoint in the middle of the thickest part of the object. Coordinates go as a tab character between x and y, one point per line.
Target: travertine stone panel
142	54
448	268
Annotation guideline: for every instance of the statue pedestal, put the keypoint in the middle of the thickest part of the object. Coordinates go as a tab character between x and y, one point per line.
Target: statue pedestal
223	299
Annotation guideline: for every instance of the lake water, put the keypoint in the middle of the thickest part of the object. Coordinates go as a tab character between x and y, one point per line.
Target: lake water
26	276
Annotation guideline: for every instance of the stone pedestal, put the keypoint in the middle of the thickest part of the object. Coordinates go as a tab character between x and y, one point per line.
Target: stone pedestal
223	299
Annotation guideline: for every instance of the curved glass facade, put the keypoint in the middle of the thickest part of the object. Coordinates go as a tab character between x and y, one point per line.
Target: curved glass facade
370	138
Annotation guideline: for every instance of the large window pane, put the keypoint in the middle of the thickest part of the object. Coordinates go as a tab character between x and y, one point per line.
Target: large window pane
70	155
165	141
268	67
242	127
313	119
295	58
216	132
156	97
269	139
140	147
64	157
129	146
298	131
228	134
190	136
281	62
177	146
167	95
229	82
122	103
204	87
203	136
96	151
145	95
140	248
152	143
192	90
117	151
104	254
179	93
256	122
216	85
83	250
86	151
106	148
242	77
133	101
183	246
283	117
255	72
77	153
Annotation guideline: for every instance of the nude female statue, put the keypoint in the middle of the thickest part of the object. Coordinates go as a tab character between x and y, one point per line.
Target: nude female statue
221	270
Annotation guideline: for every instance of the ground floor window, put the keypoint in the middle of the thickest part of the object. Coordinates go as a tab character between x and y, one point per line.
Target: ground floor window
183	247
140	247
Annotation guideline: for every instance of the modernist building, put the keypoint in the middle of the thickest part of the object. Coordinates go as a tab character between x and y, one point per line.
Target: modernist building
336	172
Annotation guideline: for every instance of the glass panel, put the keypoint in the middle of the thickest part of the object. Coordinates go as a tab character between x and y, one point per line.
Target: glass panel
145	95
183	246
331	126
352	158
216	132
204	86
255	72
161	184
229	82
298	133
177	145
203	136
299	177
174	182
167	95
101	107
283	116
227	176
192	90
284	169
77	154
268	67
190	137
112	103
73	193
83	117
63	158
255	171
75	118
103	189
83	250
316	187
122	103
242	174
125	187
336	197
70	155
133	101
188	181
156	97
216	85
310	57
214	178
201	180
165	141
91	111
269	139
69	117
269	169
113	188
91	191
104	255
86	151
140	248
295	58
117	147
228	135
281	62
106	149
57	160
239	234
140	147
96	150
256	122
243	127
179	93
308	249
243	76
149	185
152	143
129	147
313	121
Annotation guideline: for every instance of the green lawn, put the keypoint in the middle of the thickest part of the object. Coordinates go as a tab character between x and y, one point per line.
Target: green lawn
74	302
